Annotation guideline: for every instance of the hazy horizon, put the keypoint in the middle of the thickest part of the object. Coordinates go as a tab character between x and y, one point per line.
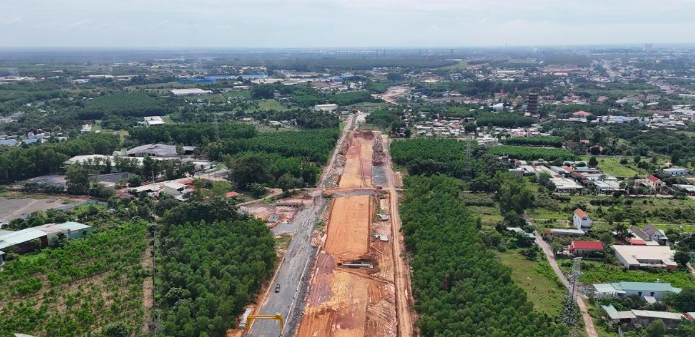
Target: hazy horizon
343	23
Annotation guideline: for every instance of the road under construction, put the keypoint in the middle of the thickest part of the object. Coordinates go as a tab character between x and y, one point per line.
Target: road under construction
353	279
360	283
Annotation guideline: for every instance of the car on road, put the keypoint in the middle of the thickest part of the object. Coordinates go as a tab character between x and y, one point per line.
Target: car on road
277	288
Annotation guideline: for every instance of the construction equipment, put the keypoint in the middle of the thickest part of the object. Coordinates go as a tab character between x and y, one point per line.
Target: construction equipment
277	317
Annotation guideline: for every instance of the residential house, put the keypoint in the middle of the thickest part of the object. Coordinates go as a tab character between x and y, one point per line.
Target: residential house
581	220
650	234
583	248
654	183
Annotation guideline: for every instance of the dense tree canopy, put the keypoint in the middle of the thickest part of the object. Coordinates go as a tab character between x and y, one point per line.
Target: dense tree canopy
213	264
28	162
460	288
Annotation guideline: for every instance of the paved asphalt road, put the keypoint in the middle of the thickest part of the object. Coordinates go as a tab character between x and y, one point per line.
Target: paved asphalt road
295	265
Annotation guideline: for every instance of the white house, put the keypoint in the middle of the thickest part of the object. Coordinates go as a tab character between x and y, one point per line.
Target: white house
676	171
581	220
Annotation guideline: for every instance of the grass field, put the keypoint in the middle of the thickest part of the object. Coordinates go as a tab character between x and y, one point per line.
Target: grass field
537	279
600	272
270	104
459	66
244	94
489	215
612	166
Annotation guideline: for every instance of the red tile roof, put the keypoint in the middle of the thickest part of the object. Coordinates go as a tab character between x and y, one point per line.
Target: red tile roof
583	113
587	245
580	213
637	242
653	178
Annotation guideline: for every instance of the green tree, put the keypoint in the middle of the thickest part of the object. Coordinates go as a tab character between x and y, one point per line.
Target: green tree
248	170
116	330
257	190
77	179
514	195
622	233
681	257
593	162
683	301
656	329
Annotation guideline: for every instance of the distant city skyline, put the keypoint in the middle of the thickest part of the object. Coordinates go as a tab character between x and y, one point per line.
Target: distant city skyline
343	23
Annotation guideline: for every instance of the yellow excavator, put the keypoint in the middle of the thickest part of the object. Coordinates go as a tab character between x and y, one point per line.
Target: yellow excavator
251	318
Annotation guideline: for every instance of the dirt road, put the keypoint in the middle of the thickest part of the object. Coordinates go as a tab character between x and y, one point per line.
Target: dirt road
588	321
402	270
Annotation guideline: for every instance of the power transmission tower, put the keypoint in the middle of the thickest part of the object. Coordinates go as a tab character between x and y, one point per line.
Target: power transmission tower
570	312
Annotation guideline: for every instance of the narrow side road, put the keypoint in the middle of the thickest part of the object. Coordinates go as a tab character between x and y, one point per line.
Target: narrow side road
402	270
588	321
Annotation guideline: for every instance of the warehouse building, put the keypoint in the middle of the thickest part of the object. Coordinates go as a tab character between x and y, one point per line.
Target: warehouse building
158	150
642	289
190	92
30	239
645	256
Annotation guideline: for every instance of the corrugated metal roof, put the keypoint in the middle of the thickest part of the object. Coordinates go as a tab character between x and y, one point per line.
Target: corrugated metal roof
606	288
645	286
15	238
657	314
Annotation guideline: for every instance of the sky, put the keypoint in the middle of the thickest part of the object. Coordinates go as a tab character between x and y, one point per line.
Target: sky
342	23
